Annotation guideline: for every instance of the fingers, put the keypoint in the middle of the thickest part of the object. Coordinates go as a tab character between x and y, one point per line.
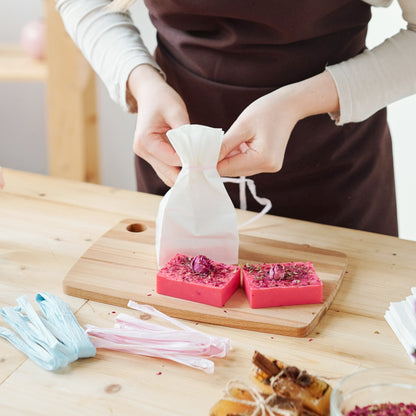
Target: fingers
261	155
159	148
160	110
235	140
251	153
242	164
152	144
257	140
154	123
167	173
238	154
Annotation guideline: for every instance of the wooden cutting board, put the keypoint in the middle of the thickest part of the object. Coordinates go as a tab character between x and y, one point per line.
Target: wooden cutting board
121	265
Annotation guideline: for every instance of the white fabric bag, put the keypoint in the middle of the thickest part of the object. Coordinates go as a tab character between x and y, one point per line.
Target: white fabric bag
196	216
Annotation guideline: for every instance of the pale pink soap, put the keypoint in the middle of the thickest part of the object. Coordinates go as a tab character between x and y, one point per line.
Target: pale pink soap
198	279
281	284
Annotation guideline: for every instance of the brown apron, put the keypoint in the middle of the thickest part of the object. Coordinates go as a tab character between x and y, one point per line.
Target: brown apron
220	55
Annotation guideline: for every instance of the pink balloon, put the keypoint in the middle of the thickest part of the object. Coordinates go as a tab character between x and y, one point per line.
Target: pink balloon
32	39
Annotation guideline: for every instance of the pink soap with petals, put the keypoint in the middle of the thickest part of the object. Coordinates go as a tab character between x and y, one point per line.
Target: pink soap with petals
198	279
281	284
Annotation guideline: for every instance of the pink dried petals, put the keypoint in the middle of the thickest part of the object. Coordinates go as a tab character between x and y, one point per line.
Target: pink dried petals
385	409
182	344
282	274
276	272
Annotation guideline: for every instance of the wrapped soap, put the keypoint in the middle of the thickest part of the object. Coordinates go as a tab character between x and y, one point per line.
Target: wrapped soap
197	216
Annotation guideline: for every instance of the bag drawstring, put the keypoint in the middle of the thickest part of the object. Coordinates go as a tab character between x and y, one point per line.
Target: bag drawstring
244	183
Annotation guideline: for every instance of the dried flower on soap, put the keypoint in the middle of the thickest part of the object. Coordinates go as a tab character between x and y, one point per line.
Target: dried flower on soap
201	264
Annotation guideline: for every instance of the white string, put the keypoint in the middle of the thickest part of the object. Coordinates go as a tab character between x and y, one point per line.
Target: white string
273	379
265	202
186	345
191	167
262	406
242	193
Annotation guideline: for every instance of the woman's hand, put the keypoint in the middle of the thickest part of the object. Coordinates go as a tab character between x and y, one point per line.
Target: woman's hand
257	140
160	109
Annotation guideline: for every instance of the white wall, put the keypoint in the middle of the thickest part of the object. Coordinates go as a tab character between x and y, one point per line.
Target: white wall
23	131
402	121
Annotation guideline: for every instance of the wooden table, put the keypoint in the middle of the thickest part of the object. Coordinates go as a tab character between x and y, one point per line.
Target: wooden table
46	224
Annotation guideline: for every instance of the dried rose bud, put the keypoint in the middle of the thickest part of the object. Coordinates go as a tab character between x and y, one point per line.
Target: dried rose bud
276	272
201	264
304	379
292	372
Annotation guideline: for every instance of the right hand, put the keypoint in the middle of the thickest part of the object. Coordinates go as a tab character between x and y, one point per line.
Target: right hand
160	108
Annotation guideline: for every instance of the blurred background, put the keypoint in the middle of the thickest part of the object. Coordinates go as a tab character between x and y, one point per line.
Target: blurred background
23	132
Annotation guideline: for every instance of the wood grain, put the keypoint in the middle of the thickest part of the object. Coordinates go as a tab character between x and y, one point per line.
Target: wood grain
48	223
71	98
121	265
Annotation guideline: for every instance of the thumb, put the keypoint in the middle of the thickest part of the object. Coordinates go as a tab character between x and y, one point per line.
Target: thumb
235	139
178	117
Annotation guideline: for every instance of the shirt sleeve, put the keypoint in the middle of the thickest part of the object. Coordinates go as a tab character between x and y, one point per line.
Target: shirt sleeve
380	76
110	42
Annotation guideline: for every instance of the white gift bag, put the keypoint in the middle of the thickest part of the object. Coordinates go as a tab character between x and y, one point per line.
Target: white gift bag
196	216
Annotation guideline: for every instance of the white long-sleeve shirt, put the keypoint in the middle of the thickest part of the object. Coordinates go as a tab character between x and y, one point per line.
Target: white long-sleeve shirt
366	83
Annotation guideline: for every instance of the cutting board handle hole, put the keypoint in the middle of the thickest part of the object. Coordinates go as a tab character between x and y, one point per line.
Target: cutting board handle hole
136	228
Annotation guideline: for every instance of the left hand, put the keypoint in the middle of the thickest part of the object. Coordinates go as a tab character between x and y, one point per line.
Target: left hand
256	142
160	108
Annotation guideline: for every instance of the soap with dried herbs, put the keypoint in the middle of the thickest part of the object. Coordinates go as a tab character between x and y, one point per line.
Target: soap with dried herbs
281	284
198	279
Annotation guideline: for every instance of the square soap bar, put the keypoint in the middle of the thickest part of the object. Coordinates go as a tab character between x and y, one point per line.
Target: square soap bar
281	284
198	279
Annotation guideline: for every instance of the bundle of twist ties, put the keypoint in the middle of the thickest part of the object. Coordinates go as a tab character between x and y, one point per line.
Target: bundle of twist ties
185	345
53	340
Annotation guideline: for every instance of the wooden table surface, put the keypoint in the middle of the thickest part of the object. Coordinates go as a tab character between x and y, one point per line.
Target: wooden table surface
46	224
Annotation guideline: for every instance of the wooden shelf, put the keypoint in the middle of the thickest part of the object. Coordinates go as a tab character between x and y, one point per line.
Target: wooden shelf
71	109
15	65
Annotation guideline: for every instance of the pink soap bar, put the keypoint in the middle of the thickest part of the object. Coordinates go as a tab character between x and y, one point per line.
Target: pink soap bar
198	279
281	284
